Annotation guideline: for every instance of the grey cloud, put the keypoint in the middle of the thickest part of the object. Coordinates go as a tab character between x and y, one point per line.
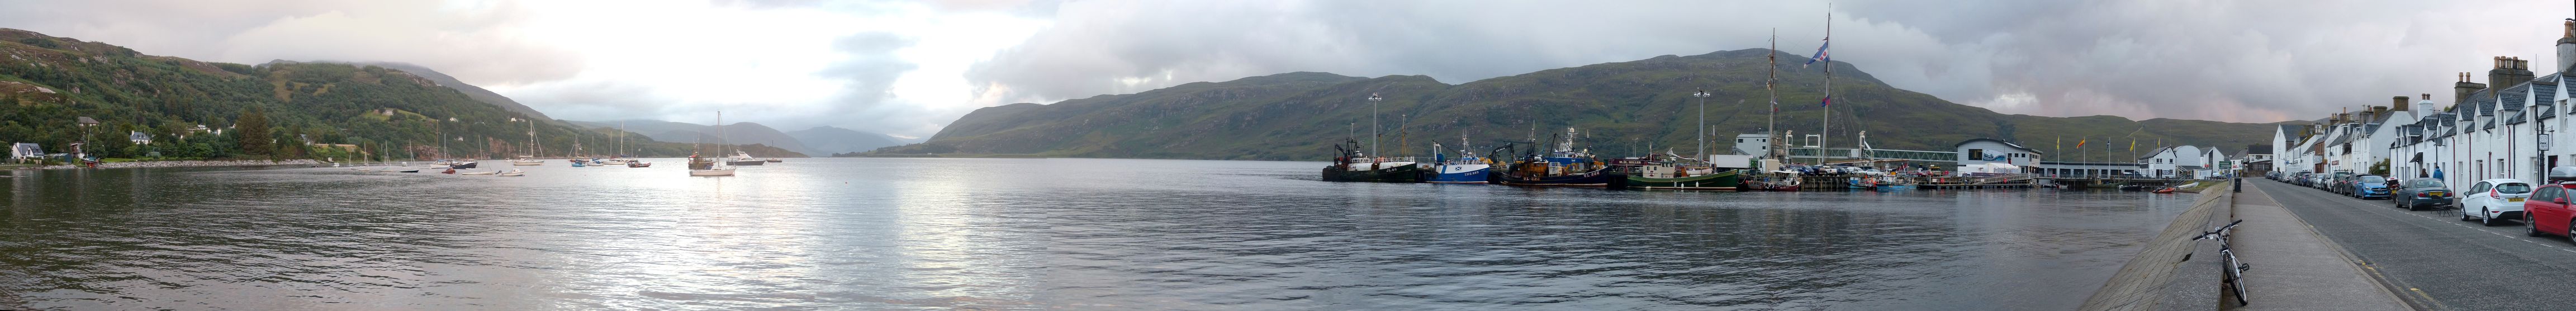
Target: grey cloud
867	101
2256	61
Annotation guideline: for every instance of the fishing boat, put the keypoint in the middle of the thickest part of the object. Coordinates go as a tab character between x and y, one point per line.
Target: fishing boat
1355	166
1466	169
513	172
1892	183
1667	172
1562	167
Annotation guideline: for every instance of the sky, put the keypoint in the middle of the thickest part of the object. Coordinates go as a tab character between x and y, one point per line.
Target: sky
907	68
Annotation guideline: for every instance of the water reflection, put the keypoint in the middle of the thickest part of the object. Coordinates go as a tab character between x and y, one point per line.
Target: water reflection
1029	233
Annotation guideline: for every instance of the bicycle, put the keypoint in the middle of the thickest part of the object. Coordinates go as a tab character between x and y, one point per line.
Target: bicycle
2235	270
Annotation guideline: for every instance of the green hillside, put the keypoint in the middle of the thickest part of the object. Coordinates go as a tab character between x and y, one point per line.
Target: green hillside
1622	108
345	111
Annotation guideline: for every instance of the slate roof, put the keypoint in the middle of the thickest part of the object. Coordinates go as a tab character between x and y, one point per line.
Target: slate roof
2546	94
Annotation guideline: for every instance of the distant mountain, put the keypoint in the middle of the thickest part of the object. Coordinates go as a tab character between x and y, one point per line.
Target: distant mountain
471	91
1622	108
680	132
840	140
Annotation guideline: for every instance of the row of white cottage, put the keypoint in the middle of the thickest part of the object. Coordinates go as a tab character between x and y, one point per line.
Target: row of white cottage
2499	131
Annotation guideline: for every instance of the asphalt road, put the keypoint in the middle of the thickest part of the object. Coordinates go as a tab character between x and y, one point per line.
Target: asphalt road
2435	260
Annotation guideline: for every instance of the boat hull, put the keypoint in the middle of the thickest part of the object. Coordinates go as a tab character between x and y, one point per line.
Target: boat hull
1460	174
1601	178
1721	181
714	172
745	162
1408	173
465	165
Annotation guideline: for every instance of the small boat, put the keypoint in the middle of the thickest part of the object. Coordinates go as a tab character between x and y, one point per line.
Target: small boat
463	165
527	161
1666	172
408	171
638	164
1466	169
450	170
1563	167
577	163
513	172
2164	190
773	160
479	173
699	166
743	158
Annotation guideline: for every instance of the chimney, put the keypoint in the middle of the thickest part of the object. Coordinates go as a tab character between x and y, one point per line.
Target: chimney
2460	91
2567	48
2508	72
2399	103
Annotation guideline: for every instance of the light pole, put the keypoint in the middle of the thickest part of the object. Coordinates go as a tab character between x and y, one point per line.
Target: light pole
2541	161
1373	127
1703	122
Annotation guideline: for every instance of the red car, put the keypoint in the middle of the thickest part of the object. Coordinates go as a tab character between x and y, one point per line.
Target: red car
2547	212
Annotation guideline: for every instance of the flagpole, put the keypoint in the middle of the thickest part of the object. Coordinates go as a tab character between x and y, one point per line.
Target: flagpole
1824	142
1770	128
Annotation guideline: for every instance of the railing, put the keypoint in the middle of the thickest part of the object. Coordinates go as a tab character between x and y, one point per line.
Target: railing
1369	160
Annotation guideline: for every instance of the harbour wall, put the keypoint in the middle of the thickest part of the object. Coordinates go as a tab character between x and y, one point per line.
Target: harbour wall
2146	282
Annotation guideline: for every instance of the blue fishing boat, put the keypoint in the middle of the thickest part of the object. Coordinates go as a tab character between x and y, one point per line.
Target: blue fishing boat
1466	169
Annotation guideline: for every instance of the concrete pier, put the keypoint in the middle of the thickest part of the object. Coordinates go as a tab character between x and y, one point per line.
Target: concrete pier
2293	266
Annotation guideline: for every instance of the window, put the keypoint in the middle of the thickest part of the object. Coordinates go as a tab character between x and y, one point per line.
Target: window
2481	187
2546	194
2427	182
1739	140
2513	188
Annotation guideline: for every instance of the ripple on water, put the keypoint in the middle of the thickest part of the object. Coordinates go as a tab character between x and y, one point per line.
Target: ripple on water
1028	234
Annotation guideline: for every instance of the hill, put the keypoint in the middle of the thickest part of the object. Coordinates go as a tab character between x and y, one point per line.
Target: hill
840	140
682	132
270	110
475	92
1622	108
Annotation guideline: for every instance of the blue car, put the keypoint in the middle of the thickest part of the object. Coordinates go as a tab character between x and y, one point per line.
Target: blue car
2370	187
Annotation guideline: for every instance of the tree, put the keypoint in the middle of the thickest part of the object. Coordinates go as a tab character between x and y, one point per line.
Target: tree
2380	168
252	130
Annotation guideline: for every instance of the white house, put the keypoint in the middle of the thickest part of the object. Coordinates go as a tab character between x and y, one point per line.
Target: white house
1987	150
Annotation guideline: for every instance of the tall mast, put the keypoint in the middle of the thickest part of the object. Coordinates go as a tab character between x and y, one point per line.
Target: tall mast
1767	131
1824	142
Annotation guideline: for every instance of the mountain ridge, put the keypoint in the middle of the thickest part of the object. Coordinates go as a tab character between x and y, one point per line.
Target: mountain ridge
1622	108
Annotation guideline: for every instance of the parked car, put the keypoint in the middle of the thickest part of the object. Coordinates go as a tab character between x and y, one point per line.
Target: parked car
2549	213
2492	199
2422	192
2368	187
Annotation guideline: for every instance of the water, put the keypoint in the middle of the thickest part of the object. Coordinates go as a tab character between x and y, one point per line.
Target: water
1029	234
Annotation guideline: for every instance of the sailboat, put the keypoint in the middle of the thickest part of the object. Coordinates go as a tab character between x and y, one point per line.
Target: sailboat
703	166
531	158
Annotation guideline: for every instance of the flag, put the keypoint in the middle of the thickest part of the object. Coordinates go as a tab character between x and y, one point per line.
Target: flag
1820	54
2133	144
2079	143
1829	101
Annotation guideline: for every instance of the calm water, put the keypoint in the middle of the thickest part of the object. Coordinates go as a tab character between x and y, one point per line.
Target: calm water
1028	234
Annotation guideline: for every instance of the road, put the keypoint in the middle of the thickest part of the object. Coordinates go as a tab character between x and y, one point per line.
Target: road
2435	260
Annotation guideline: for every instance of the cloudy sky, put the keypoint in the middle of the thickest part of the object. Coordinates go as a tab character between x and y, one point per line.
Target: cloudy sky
909	67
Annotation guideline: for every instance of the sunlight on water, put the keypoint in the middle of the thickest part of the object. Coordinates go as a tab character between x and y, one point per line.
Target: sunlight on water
1029	233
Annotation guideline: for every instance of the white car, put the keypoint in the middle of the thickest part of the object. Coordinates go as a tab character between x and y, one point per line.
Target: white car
2488	200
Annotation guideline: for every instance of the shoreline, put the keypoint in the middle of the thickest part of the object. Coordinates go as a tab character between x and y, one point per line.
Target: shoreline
187	163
